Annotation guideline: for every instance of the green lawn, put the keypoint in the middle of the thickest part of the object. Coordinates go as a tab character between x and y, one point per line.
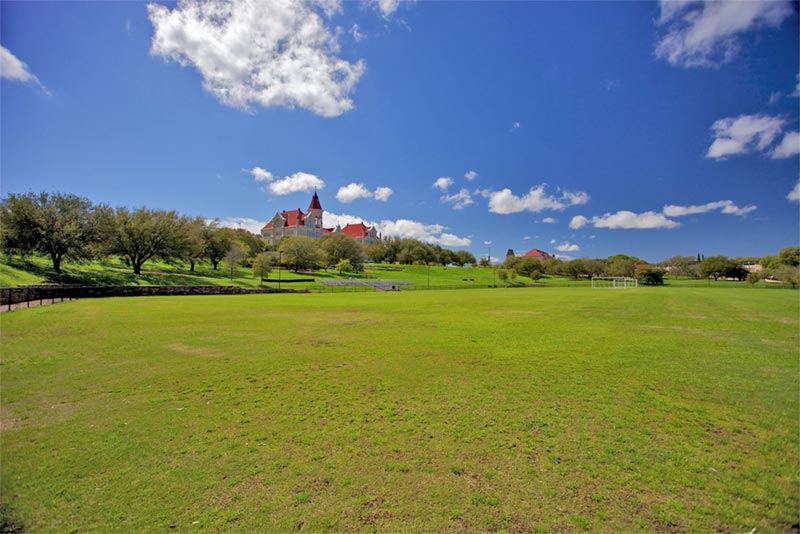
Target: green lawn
653	409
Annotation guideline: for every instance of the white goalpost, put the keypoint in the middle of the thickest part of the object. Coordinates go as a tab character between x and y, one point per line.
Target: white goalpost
614	282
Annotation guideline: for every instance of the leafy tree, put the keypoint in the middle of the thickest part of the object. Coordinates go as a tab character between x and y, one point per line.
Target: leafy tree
375	252
512	275
262	266
447	256
62	226
344	266
575	268
485	262
737	272
650	276
526	266
715	266
752	279
143	234
234	256
218	242
680	266
536	275
789	275
620	267
195	243
301	252
625	257
789	256
464	257
338	247
253	244
502	274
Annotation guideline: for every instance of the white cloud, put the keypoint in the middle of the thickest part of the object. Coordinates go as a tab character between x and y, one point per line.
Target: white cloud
297	182
566	246
775	97
470	175
549	220
383	193
385	7
535	200
443	183
357	34
332	220
743	134
627	220
516	126
526	238
726	206
578	222
267	53
460	200
708	34
788	147
261	175
429	233
794	194
251	225
13	69
351	192
553	241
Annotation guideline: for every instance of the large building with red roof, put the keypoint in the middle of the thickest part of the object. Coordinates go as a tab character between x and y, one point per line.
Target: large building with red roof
536	253
309	224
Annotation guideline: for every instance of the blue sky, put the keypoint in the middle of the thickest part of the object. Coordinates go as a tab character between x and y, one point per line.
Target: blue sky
582	129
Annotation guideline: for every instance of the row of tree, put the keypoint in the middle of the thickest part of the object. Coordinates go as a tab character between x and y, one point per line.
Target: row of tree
66	227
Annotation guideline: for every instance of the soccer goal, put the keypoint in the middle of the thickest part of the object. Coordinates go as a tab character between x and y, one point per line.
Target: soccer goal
614	282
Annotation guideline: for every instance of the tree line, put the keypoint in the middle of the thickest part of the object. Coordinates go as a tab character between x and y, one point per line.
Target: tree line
69	228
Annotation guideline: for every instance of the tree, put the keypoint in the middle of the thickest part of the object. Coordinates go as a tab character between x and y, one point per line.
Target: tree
789	256
464	257
650	276
262	266
575	268
715	266
301	252
789	275
217	243
195	242
752	279
234	256
344	266
144	234
502	274
338	247
61	226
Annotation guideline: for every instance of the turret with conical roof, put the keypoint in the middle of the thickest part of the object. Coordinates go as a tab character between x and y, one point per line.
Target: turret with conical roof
314	215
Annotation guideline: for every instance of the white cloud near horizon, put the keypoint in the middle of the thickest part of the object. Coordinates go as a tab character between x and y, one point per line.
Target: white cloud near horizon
266	53
251	225
566	246
294	183
434	234
460	200
353	191
11	68
794	194
709	33
743	134
535	200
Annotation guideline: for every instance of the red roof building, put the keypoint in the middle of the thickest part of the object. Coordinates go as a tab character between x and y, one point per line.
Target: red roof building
536	253
309	224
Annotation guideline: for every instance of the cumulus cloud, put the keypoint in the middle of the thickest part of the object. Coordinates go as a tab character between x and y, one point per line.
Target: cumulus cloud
385	7
267	53
743	134
566	246
429	233
353	191
794	194
536	200
788	147
460	200
516	126
383	193
549	220
627	220
725	206
13	69
261	175
357	34
470	175
709	33
296	183
251	225
443	183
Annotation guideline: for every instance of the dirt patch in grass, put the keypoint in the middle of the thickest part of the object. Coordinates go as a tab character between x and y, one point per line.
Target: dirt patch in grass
7	422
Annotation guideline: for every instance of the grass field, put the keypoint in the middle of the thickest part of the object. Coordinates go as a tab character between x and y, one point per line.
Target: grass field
655	409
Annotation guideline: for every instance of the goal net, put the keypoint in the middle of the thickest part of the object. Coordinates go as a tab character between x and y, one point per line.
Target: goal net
614	282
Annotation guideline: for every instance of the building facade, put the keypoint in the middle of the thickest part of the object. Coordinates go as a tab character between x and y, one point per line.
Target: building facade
309	224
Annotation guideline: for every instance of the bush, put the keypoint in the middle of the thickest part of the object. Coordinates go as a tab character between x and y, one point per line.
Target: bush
650	277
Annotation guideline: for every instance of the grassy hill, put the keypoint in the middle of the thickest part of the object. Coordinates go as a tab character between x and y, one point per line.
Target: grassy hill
659	409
